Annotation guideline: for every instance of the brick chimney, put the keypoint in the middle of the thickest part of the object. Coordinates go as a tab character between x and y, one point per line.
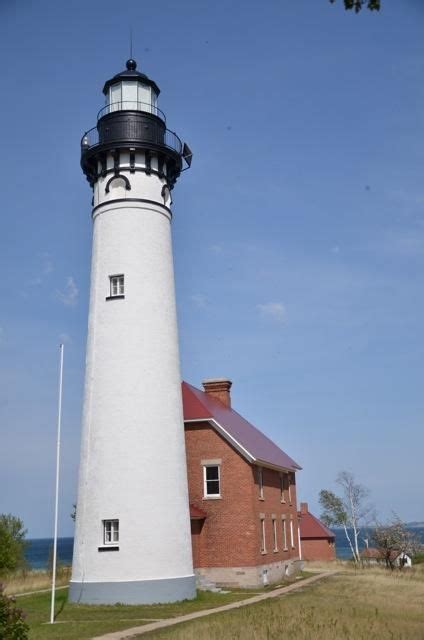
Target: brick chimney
303	507
219	388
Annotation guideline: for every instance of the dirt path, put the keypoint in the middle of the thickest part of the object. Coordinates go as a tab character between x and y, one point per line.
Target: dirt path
169	622
31	593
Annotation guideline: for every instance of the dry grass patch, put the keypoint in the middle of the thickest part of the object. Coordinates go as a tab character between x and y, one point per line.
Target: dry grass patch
369	604
27	581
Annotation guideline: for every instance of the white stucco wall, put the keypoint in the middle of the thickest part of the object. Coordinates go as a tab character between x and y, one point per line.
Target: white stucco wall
133	465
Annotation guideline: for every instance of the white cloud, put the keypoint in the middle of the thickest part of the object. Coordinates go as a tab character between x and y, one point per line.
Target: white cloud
274	310
48	265
215	248
45	269
69	297
200	301
35	282
406	243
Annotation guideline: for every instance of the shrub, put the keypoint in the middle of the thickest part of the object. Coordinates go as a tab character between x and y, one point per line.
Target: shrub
418	558
12	543
12	619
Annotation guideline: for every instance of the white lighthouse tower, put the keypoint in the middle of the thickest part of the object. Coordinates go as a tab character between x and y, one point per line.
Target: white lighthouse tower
132	537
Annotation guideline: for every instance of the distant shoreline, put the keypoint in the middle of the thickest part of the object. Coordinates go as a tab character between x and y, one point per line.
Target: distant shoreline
38	549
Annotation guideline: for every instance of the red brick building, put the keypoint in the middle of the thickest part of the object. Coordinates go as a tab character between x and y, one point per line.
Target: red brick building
242	492
318	542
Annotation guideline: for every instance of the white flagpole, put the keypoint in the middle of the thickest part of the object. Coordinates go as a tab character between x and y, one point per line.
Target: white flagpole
56	507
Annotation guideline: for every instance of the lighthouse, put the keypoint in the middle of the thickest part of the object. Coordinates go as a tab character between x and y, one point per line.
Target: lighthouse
132	536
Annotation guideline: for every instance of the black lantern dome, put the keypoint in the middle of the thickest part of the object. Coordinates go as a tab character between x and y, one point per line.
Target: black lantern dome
130	73
131	121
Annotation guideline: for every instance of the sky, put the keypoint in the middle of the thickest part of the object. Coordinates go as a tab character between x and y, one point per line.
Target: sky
298	231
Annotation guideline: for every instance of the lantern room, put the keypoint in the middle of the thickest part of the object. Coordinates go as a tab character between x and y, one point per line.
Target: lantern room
131	90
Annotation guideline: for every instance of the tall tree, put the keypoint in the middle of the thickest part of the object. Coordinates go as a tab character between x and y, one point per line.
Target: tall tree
12	543
350	510
393	540
357	5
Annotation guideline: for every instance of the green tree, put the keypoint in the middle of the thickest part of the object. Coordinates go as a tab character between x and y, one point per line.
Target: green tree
394	540
357	5
12	543
349	511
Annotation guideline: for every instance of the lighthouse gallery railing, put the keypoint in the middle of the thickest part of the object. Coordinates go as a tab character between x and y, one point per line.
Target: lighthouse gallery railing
138	126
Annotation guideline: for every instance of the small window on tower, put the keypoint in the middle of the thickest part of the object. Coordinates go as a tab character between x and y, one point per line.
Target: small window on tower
117	286
110	531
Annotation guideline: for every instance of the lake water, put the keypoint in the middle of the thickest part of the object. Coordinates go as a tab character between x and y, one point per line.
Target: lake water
342	546
37	553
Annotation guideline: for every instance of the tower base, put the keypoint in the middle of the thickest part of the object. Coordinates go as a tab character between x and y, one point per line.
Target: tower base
133	592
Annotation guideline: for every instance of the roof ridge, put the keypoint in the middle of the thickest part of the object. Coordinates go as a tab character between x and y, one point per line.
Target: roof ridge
249	437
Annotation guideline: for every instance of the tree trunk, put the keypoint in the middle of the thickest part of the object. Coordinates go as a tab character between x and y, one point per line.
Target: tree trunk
350	544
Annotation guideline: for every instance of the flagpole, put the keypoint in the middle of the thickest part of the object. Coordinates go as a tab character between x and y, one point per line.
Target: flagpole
56	507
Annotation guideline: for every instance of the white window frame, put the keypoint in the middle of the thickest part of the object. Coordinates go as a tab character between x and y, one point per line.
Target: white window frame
113	526
274	534
207	495
119	279
291	534
261	483
285	547
263	536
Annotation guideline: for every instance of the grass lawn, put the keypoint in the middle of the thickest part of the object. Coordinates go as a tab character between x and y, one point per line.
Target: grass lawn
369	604
80	622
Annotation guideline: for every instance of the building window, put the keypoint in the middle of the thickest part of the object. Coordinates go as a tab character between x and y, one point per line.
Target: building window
110	531
291	534
284	534
117	287
166	194
262	532
274	534
211	481
261	482
282	486
289	482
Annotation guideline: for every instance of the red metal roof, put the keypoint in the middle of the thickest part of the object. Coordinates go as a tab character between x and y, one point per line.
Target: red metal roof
311	527
251	442
196	513
370	553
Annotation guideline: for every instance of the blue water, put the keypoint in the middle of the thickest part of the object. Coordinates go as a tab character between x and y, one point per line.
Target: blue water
37	552
342	546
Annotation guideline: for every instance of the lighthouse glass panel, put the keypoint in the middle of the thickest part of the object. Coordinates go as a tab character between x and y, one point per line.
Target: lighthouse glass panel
129	95
154	102
110	531
115	98
144	97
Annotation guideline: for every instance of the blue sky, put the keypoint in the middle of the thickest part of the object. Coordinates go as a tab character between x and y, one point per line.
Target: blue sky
298	232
